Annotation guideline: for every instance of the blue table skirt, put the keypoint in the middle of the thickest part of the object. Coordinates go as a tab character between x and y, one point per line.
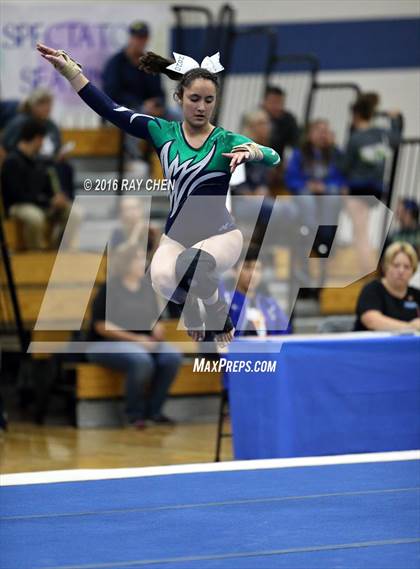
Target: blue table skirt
333	396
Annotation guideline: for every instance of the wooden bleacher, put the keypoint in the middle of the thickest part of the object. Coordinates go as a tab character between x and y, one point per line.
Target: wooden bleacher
13	234
93	142
32	271
342	300
333	300
96	382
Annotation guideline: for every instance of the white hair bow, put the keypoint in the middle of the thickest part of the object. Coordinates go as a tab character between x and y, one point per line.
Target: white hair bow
184	63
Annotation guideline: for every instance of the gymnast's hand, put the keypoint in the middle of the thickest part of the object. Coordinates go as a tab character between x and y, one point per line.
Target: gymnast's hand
243	153
61	60
236	158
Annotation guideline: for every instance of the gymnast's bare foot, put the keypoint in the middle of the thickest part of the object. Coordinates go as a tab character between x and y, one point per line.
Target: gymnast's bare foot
197	335
219	321
192	318
224	338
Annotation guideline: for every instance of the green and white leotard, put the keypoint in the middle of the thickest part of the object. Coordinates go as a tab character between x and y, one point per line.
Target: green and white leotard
194	172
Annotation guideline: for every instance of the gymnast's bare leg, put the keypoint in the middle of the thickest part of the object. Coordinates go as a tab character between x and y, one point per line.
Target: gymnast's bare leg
225	248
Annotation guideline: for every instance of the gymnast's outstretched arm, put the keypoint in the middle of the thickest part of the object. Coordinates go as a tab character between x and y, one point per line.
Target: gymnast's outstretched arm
130	121
242	149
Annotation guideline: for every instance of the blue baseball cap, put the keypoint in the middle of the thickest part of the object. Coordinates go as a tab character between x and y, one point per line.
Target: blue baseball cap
139	29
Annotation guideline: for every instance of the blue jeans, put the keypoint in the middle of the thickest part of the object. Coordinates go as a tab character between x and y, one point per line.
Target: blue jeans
145	372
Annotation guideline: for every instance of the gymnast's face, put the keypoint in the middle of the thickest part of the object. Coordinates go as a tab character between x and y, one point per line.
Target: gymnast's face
198	102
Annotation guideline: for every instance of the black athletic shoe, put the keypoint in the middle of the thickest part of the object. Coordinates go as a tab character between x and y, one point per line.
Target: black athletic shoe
218	319
161	420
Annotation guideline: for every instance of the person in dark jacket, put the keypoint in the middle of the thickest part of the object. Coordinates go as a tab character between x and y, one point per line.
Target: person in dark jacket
132	87
284	128
28	194
125	83
38	105
366	165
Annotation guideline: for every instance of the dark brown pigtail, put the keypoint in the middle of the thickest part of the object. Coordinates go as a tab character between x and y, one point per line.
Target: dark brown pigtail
153	63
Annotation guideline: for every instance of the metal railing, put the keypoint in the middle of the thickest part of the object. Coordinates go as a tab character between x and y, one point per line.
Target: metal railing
180	13
405	173
297	74
240	94
10	314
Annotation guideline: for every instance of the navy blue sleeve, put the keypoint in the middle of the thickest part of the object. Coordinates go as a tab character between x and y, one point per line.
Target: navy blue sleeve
127	120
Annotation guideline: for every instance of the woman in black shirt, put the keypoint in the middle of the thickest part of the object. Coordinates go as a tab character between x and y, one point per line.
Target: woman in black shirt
390	303
125	335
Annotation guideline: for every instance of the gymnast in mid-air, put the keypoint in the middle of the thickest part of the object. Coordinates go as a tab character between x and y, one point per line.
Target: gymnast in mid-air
201	240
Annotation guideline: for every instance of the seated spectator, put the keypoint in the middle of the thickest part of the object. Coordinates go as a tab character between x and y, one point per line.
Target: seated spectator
122	338
8	109
284	131
253	311
28	193
407	216
256	125
367	157
390	303
38	106
125	83
283	212
370	98
312	170
134	226
381	119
